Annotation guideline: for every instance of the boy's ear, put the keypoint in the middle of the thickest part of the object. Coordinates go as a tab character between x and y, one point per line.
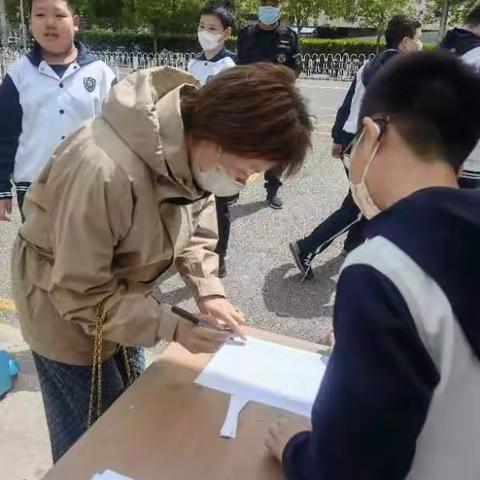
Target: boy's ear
227	33
372	132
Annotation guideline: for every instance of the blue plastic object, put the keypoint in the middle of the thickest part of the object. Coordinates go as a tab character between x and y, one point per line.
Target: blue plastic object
8	371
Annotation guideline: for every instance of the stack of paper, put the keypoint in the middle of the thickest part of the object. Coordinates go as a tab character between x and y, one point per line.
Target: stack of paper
109	475
265	372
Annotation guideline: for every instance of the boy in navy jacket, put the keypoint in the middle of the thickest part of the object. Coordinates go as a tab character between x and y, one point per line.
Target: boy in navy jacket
400	396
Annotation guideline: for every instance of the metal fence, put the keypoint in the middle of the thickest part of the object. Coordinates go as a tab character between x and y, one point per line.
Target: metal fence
340	66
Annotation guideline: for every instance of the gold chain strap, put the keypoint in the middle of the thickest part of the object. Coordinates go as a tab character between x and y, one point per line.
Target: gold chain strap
96	378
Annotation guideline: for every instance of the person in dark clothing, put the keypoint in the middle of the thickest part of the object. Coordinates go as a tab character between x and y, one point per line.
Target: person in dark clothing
465	43
402	36
399	399
270	40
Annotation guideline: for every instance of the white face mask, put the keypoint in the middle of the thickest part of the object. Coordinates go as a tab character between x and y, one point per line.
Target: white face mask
217	181
210	41
360	194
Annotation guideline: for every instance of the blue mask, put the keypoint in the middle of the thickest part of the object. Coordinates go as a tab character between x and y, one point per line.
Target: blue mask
268	15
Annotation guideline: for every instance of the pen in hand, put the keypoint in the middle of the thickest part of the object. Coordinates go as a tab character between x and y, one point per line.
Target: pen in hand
199	322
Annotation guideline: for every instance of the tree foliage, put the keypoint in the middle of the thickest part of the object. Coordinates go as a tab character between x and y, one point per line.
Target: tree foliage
377	13
457	9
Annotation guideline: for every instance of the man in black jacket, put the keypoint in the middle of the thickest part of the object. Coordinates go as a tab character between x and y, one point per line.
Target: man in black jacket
402	36
270	40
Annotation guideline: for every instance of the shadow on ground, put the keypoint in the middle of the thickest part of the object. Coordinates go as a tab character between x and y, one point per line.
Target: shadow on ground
286	296
245	210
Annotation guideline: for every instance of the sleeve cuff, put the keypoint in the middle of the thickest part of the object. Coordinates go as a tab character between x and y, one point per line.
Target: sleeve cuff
5	190
293	458
210	287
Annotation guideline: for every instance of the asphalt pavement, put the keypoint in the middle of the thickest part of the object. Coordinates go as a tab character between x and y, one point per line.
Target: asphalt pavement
262	279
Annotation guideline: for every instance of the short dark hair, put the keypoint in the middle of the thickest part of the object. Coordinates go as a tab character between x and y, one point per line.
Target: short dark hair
399	27
254	111
72	6
473	18
433	100
224	11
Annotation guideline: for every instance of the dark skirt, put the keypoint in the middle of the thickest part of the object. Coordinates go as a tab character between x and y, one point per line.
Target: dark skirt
66	394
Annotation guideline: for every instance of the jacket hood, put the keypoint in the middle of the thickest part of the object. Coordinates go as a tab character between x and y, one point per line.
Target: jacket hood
460	41
376	64
144	110
439	228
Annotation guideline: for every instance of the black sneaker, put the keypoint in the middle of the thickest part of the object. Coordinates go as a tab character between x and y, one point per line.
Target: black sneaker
222	270
275	202
303	262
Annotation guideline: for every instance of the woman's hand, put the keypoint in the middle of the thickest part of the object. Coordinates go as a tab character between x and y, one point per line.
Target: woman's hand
199	339
279	435
222	310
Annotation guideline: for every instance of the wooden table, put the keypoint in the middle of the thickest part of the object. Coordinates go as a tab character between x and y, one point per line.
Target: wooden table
167	428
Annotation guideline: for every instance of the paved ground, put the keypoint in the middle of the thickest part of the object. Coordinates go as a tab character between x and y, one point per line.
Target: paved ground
262	281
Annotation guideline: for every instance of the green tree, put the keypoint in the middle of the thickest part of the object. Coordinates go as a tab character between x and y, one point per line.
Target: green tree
453	11
168	16
245	10
377	13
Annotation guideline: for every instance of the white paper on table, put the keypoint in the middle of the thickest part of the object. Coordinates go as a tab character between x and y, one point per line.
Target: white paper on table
267	373
229	429
109	475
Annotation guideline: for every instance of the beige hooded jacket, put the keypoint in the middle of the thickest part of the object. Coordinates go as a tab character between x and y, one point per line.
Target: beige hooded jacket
115	207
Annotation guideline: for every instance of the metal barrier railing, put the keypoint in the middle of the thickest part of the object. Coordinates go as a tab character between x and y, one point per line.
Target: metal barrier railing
340	66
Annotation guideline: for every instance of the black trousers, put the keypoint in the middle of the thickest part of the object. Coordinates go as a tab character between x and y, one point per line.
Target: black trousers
346	218
22	189
272	181
224	220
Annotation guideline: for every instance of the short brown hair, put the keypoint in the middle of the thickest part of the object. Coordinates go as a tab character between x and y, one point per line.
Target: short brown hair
252	111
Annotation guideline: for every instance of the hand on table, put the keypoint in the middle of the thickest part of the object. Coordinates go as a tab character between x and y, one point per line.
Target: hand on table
220	309
5	209
279	435
199	339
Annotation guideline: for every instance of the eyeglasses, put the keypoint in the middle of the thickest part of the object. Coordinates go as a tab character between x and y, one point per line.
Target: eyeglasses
382	123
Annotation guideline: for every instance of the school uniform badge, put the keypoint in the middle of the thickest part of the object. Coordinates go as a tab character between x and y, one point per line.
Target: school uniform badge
90	84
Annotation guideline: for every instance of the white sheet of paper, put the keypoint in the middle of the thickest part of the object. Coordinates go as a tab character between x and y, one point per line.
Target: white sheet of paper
109	475
229	429
267	373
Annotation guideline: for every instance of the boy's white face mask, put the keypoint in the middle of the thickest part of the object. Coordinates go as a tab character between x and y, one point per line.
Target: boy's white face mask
216	181
360	194
210	41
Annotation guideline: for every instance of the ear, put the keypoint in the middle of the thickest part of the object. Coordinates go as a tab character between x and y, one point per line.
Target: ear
371	133
76	23
227	33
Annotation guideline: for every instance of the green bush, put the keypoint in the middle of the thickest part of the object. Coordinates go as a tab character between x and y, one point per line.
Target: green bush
100	39
344	45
